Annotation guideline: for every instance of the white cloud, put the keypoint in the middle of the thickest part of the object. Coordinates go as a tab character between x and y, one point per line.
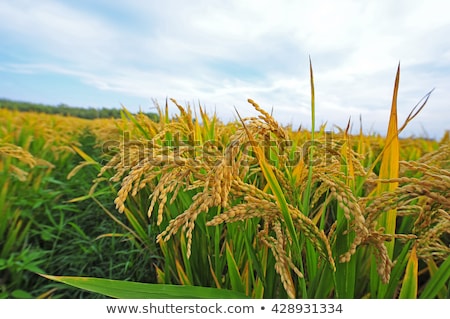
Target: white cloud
223	52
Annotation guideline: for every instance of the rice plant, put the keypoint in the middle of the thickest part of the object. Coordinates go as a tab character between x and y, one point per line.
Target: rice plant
271	212
249	208
40	229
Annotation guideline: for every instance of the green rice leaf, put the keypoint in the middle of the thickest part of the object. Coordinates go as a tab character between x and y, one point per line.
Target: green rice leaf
136	290
437	281
135	122
233	272
397	271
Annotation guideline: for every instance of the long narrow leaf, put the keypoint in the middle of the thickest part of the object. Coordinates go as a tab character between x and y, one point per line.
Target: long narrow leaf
182	276
409	286
389	169
233	272
437	281
135	290
390	166
135	122
397	271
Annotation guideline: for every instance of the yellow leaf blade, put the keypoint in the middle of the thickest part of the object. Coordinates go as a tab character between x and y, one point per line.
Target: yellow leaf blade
409	286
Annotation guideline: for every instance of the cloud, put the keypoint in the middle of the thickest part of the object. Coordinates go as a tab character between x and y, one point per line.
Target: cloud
222	53
54	28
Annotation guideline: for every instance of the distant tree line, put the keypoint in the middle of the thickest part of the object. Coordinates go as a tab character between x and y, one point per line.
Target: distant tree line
66	110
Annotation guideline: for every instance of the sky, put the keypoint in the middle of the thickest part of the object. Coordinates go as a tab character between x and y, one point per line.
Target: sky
108	53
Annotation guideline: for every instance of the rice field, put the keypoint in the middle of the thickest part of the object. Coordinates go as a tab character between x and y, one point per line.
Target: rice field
247	209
